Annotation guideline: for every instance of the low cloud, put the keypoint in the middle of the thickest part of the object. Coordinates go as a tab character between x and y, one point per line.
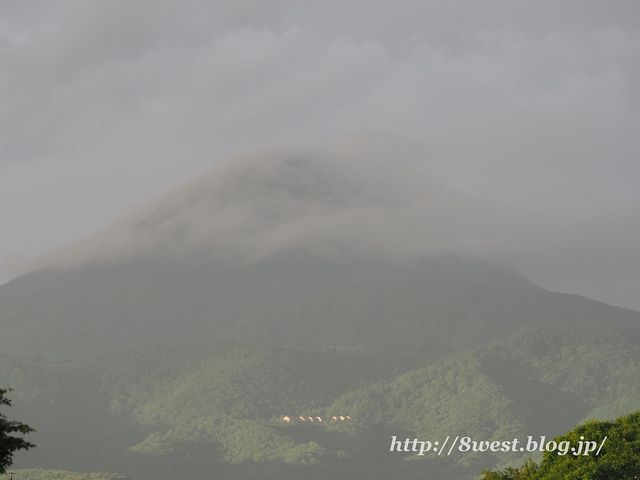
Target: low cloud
528	115
364	193
360	193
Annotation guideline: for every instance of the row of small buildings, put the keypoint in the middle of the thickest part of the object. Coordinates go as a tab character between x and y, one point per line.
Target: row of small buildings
335	418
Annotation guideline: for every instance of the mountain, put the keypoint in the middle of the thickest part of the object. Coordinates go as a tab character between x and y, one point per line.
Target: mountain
443	304
174	342
292	247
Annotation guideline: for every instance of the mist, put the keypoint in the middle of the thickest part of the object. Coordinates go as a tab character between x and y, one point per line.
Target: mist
495	129
361	193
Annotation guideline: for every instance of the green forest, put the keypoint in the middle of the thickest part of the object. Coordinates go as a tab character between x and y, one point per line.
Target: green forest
189	409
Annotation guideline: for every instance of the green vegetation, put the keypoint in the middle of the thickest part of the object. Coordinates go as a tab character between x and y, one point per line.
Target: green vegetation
542	379
618	457
157	412
9	443
41	474
192	407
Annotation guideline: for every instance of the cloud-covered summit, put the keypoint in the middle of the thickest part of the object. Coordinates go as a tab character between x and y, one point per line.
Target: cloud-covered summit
533	106
344	197
362	193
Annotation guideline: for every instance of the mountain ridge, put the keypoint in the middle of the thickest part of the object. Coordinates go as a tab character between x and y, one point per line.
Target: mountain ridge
449	303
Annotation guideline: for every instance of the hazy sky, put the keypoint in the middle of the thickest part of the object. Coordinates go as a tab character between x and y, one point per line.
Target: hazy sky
526	111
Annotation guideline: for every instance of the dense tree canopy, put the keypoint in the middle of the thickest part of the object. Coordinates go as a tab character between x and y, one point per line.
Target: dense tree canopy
617	457
183	410
9	443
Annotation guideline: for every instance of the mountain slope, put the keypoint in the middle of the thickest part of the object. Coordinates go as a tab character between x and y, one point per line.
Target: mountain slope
294	247
444	303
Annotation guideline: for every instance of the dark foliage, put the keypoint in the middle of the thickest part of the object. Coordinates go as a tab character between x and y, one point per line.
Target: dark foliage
9	443
618	457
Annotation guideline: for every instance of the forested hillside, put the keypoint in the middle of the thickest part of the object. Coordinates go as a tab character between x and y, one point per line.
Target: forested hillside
151	412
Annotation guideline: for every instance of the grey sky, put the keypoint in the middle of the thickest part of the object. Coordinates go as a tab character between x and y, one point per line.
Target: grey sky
529	110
